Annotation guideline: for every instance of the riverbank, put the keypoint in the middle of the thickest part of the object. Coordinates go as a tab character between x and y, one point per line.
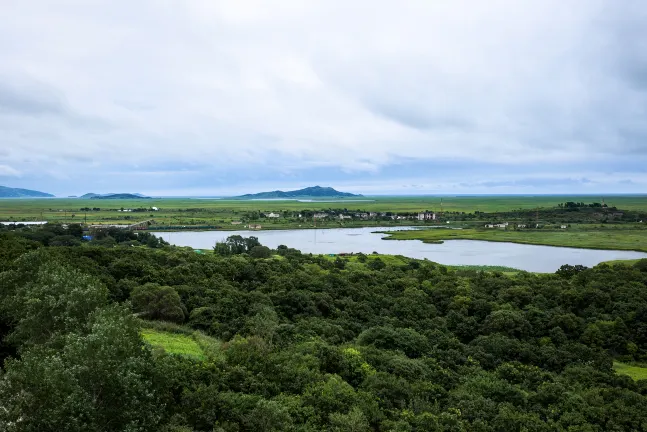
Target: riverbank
344	242
613	239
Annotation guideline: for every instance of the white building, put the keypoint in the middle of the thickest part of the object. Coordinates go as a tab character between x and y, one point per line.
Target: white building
342	217
426	216
272	215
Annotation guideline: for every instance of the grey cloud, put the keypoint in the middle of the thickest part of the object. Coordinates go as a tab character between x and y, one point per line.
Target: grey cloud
23	96
535	182
29	100
134	105
415	116
8	171
518	86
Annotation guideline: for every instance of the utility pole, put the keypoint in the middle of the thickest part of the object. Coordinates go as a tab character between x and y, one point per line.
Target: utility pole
441	209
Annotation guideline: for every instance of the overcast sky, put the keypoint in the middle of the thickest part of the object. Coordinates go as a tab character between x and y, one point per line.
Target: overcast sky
369	96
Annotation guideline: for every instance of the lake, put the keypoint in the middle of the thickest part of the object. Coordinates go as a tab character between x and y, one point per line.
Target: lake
23	223
545	259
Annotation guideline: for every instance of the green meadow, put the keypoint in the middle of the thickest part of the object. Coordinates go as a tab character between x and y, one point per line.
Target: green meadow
193	211
180	340
588	236
634	371
173	343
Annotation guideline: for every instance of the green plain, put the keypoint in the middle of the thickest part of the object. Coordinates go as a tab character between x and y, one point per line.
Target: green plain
174	343
193	211
585	236
634	371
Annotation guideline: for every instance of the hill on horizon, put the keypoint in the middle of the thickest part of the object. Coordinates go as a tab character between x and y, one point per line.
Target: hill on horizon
114	196
7	192
313	191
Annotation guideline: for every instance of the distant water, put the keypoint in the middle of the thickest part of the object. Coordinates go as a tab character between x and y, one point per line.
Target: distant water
544	259
24	223
308	200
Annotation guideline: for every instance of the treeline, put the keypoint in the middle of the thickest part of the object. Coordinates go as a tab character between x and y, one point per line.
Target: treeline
53	234
312	344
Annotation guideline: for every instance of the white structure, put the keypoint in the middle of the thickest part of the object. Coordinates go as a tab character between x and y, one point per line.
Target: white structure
154	209
342	217
501	225
564	227
426	216
272	215
320	215
521	225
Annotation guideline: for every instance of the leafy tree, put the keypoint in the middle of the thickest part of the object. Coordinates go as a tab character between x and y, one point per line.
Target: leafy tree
260	252
102	379
157	302
58	300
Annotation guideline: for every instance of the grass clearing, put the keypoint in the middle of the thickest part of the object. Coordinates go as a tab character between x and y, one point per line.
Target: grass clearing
609	238
636	372
629	262
486	268
174	343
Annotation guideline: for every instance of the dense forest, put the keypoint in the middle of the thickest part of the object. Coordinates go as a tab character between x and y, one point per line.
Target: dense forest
296	342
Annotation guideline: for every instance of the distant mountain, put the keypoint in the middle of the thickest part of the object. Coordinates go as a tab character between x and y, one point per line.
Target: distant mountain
89	195
115	196
7	192
309	192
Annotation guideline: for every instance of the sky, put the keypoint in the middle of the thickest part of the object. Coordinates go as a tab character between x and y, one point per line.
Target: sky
214	97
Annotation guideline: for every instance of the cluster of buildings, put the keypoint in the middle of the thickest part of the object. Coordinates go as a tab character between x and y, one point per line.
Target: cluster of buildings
125	210
424	216
505	225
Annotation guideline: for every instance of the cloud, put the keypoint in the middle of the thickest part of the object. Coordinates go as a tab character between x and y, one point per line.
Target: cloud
7	171
28	100
252	91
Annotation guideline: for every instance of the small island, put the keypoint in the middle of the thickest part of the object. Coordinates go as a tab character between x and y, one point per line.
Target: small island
309	192
114	196
7	192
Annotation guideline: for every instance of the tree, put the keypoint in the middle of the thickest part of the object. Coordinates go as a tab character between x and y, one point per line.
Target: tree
376	264
354	421
260	252
64	240
102	379
56	302
157	302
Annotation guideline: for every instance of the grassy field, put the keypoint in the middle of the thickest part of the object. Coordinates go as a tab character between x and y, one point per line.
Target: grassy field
621	262
580	237
186	211
634	371
399	260
174	343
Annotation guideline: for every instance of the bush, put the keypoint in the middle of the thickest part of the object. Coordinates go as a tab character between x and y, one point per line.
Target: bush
157	302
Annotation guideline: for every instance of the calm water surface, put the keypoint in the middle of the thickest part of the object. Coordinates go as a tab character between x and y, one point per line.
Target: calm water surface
451	252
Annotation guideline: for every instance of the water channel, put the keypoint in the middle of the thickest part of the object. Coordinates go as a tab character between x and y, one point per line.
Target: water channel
452	252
